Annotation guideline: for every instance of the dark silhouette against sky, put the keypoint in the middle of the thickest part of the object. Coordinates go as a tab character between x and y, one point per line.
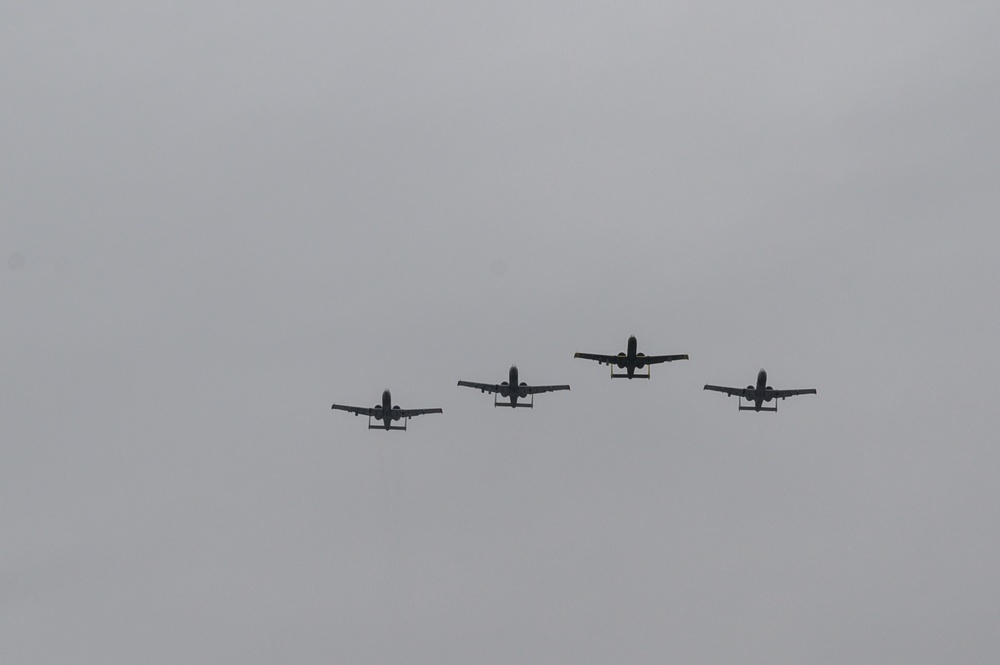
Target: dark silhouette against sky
219	219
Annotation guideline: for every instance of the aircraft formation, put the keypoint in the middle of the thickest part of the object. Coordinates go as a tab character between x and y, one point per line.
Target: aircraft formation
512	390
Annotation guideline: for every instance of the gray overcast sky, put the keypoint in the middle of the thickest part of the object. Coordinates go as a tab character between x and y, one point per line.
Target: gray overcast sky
219	218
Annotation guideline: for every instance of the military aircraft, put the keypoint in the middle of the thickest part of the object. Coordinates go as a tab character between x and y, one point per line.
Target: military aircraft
385	412
512	390
760	393
630	361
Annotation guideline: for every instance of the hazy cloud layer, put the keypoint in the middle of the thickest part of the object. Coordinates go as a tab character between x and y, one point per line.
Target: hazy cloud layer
219	219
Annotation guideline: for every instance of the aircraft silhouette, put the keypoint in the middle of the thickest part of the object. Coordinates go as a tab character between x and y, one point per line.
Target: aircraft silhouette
760	393
512	390
630	361
385	412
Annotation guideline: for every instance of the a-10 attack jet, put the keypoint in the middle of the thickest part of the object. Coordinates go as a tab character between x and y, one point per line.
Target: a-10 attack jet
630	361
512	390
760	393
385	412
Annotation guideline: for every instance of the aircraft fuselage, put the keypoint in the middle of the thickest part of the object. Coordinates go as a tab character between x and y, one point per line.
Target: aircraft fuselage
384	412
510	389
760	393
629	360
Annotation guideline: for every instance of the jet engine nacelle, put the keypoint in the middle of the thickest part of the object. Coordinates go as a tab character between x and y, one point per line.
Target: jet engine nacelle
523	392
621	362
750	392
768	394
396	413
504	392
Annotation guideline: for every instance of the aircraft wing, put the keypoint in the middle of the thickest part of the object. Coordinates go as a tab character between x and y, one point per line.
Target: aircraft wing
485	387
728	391
532	390
791	393
604	360
652	360
409	413
356	410
648	360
